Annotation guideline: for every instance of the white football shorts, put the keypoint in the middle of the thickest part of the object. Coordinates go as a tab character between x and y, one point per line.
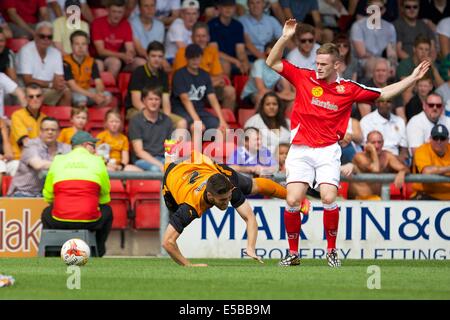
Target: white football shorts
307	164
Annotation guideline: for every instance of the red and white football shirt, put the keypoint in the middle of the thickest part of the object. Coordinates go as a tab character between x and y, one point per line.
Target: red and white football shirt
321	110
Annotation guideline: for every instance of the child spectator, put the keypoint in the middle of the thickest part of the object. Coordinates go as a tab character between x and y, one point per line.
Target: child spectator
283	150
117	144
78	118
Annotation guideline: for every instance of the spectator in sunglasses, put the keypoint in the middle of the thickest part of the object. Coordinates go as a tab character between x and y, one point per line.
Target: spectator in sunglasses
408	27
304	56
433	158
38	62
419	127
349	66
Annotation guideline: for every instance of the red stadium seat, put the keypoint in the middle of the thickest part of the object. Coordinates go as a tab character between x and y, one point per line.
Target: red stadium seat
16	44
239	82
9	110
396	194
61	113
122	83
145	197
244	115
120	204
408	190
219	152
96	118
110	83
230	119
6	181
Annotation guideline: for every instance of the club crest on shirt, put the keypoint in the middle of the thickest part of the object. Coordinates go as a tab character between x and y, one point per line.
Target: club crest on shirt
317	91
340	89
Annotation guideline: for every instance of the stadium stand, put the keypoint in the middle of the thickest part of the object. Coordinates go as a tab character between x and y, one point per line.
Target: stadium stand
61	113
145	202
15	44
120	204
9	110
244	115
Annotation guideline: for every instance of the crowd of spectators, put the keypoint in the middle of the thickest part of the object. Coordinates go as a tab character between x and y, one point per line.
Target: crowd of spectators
183	58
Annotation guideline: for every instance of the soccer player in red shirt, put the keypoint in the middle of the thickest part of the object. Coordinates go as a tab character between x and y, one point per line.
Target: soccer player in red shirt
319	120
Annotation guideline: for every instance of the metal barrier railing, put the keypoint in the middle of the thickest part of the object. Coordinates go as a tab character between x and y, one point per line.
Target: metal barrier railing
384	178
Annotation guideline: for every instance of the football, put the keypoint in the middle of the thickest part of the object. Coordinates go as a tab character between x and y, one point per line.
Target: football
75	252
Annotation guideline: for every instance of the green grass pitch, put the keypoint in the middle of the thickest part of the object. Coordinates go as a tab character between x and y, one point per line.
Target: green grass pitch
159	278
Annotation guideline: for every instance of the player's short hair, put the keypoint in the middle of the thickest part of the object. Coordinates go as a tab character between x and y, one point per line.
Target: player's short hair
77	110
303	28
79	33
421	39
218	184
329	48
155	46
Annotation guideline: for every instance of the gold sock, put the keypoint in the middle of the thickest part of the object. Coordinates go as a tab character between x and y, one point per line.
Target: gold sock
270	188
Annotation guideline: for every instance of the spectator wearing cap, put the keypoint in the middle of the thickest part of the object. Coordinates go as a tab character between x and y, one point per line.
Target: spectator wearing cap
190	86
23	16
77	188
419	127
40	63
210	62
433	157
37	155
228	33
180	31
259	29
80	70
63	27
113	39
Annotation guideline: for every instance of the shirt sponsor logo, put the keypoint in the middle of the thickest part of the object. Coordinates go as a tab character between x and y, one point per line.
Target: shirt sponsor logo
340	89
317	91
324	104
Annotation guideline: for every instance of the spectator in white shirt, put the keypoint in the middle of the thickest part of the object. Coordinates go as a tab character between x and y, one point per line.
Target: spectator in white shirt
419	127
443	31
40	63
180	31
392	128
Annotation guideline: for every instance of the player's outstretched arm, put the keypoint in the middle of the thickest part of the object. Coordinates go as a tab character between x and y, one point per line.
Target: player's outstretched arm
394	89
274	58
246	213
170	245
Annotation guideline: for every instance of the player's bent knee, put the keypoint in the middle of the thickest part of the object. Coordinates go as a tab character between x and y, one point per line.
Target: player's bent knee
292	201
